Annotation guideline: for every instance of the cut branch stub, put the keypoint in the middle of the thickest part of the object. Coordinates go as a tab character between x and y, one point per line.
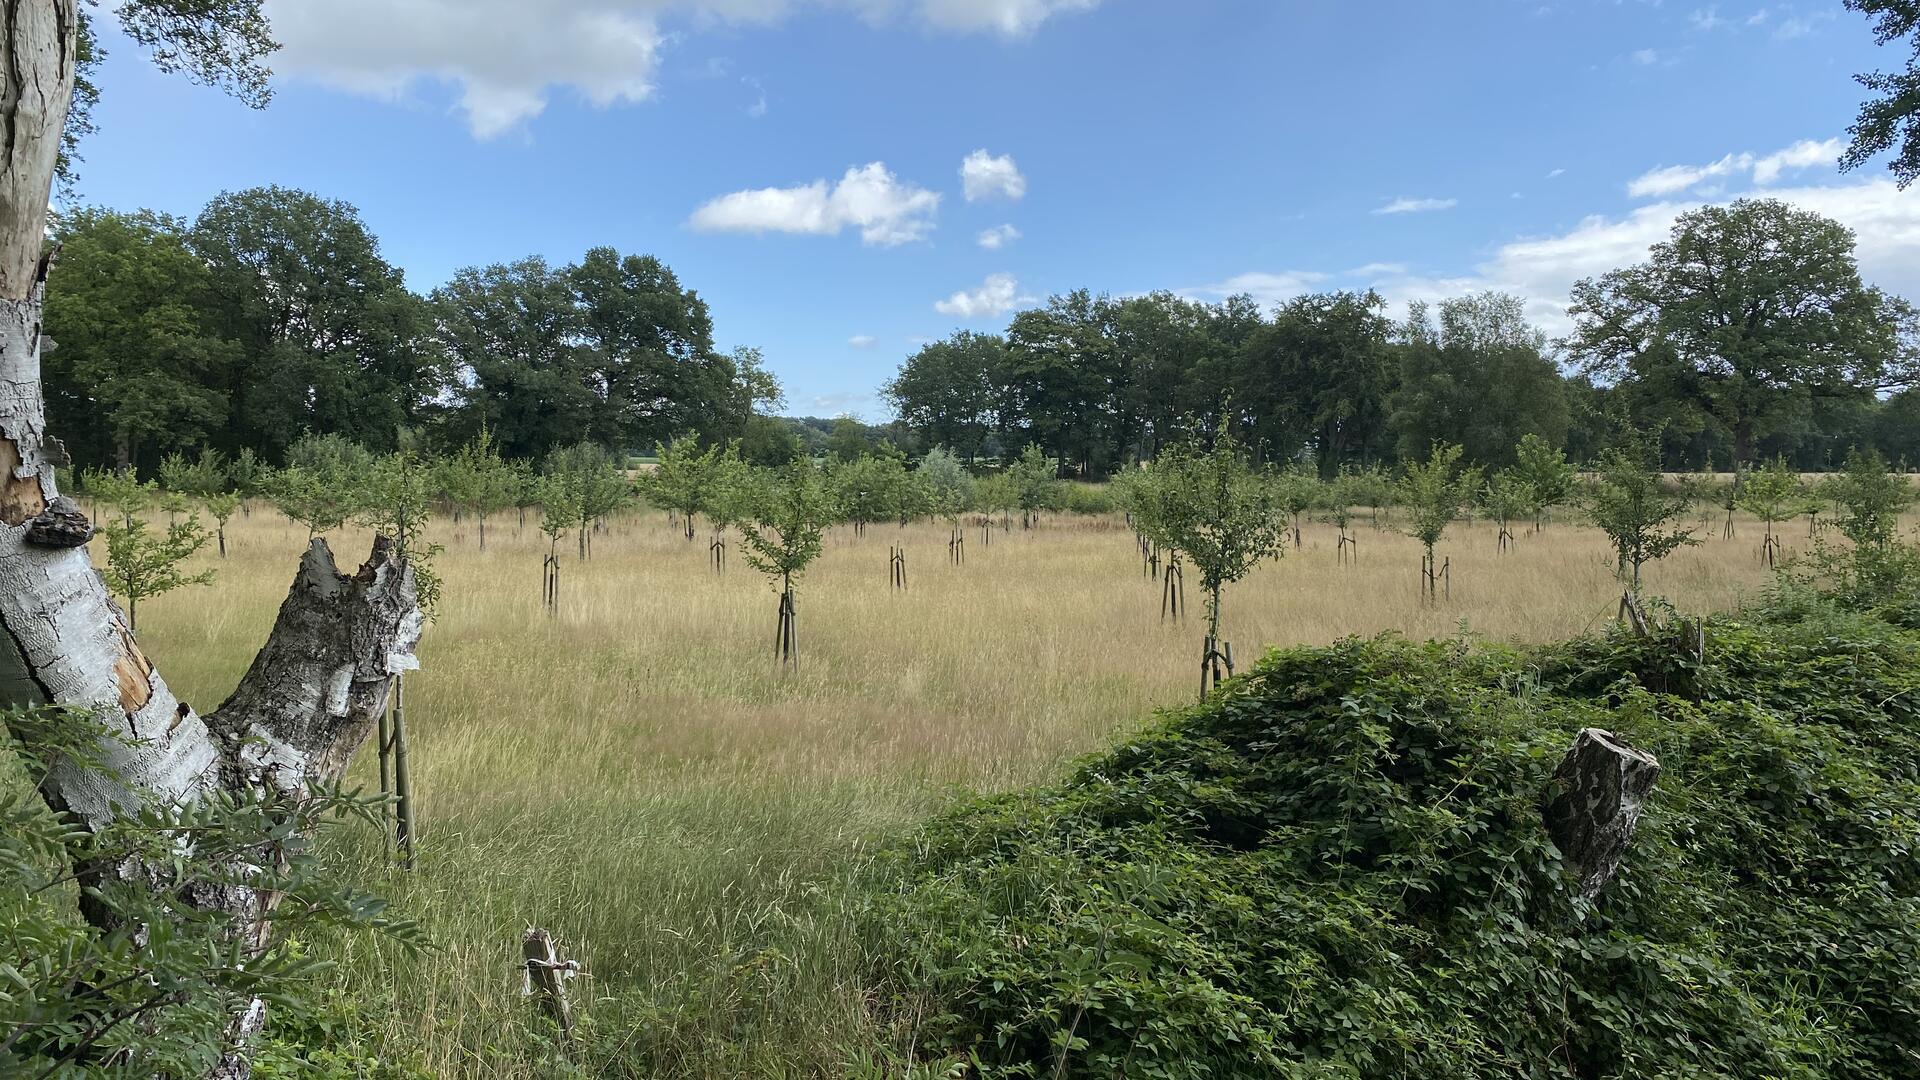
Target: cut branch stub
547	975
318	686
1593	804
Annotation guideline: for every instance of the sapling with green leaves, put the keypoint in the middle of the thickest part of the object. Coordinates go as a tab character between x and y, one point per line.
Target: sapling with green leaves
949	489
1433	492
1336	509
321	487
396	500
1505	496
1547	471
1203	499
1296	491
142	564
1772	493
1628	499
596	486
873	486
1869	499
121	492
996	494
783	515
683	479
476	480
1035	484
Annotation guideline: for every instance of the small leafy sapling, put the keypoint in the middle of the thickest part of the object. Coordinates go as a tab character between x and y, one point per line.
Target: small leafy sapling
1433	492
949	489
1296	492
1629	501
322	485
783	515
1869	499
142	564
395	500
683	481
476	480
1204	500
1336	509
121	492
247	475
873	486
1772	493
1035	484
1547	472
1507	496
595	486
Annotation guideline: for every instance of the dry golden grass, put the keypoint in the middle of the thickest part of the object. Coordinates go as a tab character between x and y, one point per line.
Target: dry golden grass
635	775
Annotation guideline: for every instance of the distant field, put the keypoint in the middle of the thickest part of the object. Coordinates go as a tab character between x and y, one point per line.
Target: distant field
634	775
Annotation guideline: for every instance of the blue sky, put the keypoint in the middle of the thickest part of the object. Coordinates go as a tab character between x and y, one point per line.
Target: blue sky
800	162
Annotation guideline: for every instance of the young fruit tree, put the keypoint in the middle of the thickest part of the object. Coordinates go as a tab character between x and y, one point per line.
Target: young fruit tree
783	514
949	489
1628	500
1034	483
312	693
476	480
1505	497
595	486
1342	495
1869	499
683	481
1547	472
142	564
1433	491
1296	491
1772	493
1204	500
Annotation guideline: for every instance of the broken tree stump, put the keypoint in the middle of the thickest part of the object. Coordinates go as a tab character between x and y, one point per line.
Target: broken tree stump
1593	804
546	976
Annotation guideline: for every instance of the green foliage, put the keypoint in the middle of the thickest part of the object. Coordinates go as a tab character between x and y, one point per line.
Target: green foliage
142	564
395	499
1205	501
475	479
782	518
688	479
871	486
1546	470
1772	492
1296	490
1033	482
1508	495
948	484
1869	498
148	986
1338	868
322	486
123	492
1434	490
1629	501
1084	498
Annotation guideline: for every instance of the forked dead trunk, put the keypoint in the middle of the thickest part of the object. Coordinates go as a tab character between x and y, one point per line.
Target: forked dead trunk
317	686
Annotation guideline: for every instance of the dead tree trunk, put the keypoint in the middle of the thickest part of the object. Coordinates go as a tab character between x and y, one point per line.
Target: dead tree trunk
1593	804
316	688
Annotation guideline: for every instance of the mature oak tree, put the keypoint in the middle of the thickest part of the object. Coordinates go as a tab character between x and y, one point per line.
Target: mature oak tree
1746	311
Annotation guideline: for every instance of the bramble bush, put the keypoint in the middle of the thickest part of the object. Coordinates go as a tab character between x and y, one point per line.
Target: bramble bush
1337	867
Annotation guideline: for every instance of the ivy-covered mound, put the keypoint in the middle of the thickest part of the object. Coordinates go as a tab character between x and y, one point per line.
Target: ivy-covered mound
1338	867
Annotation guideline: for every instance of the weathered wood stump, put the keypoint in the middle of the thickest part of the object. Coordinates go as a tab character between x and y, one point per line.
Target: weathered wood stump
547	975
1593	804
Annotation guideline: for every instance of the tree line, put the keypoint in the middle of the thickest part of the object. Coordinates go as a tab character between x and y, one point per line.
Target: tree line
273	315
1747	334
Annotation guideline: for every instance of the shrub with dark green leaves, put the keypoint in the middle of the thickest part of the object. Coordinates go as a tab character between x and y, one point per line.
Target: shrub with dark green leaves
1338	868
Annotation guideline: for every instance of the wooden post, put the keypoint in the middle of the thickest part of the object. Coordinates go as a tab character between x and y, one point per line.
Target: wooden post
402	776
717	552
1173	594
1217	654
550	582
896	567
786	652
1593	804
546	977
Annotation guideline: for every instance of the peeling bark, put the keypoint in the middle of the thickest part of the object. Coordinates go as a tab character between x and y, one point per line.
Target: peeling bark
1593	804
316	687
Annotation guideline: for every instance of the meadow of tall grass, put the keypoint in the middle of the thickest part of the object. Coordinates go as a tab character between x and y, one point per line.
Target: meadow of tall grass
635	774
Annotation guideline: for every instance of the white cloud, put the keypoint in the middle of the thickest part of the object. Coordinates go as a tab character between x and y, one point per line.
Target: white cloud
983	176
1013	18
1556	174
1543	269
1645	57
1801	155
998	237
995	297
1265	288
1377	269
1416	206
1764	169
1708	19
886	211
507	57
759	107
863	341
